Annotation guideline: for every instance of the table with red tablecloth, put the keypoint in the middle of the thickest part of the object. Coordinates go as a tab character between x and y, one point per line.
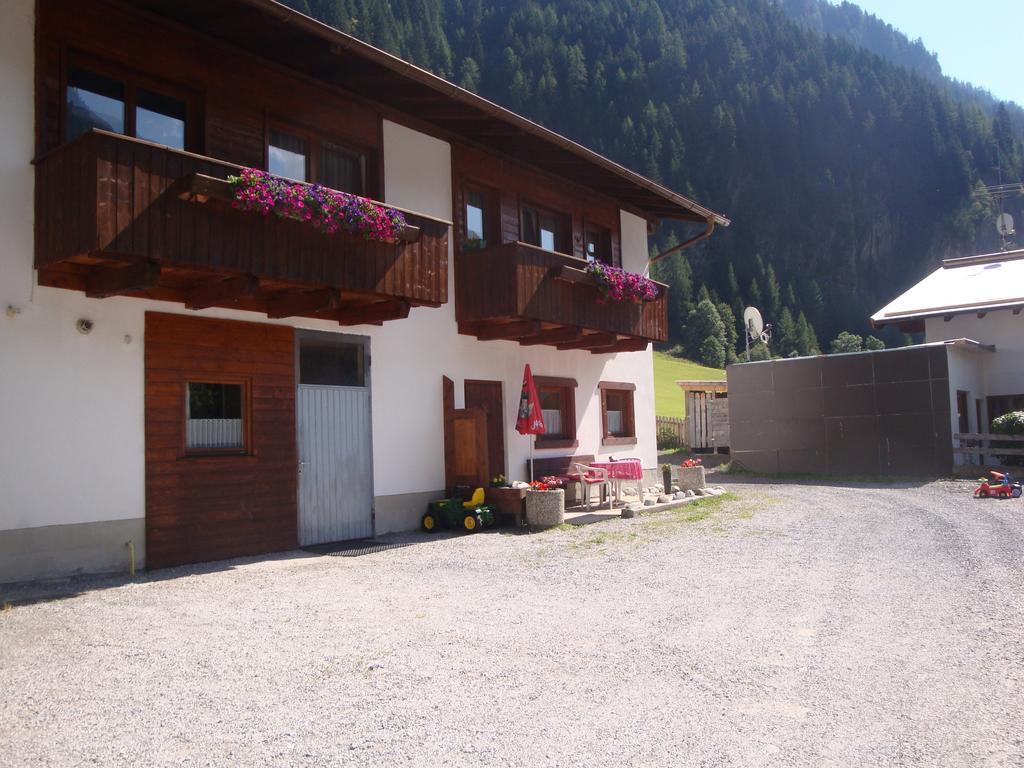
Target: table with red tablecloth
622	469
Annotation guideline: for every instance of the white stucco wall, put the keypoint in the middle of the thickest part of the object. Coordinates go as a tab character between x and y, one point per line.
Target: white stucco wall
1003	370
410	357
71	405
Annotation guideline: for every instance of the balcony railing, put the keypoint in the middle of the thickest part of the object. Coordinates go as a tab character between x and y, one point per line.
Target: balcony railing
117	215
524	293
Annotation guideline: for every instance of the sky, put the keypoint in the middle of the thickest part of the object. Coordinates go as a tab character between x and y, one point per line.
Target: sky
977	41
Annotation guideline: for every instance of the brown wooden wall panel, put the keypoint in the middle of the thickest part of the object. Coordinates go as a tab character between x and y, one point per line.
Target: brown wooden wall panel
201	508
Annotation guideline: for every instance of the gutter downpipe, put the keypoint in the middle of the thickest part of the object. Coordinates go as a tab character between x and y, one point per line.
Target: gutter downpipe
687	243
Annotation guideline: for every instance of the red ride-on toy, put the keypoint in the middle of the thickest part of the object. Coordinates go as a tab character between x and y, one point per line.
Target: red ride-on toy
1000	487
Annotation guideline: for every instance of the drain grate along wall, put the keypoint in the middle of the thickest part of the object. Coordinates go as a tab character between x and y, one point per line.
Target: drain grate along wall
869	413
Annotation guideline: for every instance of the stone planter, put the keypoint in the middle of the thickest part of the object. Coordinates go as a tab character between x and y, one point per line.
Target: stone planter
545	509
691	478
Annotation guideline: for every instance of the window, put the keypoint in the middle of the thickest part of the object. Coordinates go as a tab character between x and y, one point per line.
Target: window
93	101
302	156
160	119
342	169
598	244
546	229
475	229
328	362
618	426
999	405
479	223
215	417
97	101
288	156
558	407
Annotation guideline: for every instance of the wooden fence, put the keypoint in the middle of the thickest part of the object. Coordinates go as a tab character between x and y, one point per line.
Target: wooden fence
671	425
979	444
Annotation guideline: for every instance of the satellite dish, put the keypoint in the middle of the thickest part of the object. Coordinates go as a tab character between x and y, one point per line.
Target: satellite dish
752	322
1005	224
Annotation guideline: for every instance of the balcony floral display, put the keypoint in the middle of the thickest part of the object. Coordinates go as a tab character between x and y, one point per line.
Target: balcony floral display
618	285
327	210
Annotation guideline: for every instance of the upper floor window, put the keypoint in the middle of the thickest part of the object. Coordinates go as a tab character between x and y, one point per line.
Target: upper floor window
475	229
288	156
342	168
479	226
305	157
97	101
598	244
546	229
160	119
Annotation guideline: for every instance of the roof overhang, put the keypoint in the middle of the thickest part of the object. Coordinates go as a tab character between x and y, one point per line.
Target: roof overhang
973	285
269	30
703	385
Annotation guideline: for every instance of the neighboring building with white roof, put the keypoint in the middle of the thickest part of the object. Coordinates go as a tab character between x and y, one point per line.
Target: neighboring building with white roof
978	298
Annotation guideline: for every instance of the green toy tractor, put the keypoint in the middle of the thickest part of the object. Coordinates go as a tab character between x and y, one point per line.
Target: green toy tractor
470	516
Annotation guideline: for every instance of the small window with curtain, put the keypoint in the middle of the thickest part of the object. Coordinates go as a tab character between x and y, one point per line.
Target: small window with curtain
545	229
215	417
558	407
618	425
288	156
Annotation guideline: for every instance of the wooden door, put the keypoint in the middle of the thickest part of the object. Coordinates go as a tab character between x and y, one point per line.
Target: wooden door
488	396
465	442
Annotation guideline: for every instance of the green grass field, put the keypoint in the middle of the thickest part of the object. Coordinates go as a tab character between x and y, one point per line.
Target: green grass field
668	398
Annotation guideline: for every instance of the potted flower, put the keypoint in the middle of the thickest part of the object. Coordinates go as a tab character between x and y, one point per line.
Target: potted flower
499	481
545	503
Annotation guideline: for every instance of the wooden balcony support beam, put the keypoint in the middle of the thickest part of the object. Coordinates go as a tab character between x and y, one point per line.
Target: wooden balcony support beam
118	280
591	340
516	330
564	335
222	292
289	304
376	312
625	345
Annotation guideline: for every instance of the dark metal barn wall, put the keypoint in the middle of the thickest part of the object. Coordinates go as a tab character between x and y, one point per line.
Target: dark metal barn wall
872	413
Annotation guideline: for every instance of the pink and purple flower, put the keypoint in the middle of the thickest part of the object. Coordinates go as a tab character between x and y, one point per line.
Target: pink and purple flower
617	284
326	209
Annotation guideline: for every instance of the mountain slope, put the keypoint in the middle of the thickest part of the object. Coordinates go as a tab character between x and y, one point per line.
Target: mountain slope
847	176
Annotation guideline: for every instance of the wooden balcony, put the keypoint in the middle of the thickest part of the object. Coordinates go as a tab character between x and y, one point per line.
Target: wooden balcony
524	293
119	216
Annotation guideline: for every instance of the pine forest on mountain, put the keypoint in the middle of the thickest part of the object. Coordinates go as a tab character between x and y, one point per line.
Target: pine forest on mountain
849	165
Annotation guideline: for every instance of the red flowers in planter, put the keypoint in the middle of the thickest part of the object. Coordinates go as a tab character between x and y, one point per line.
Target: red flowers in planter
326	209
617	284
550	483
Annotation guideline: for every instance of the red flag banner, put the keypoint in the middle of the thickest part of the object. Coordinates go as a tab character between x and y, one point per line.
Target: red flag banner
530	420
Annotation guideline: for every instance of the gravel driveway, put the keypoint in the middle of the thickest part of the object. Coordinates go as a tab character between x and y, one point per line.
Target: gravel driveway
790	625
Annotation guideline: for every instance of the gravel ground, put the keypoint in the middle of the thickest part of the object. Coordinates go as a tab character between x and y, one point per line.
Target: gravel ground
791	625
